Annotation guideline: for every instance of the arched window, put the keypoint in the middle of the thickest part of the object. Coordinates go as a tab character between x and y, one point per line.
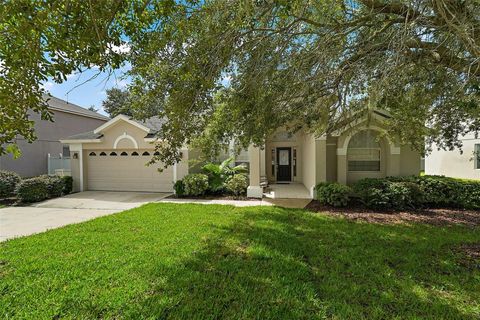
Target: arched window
134	153
124	154
364	152
145	153
102	154
92	154
156	153
113	153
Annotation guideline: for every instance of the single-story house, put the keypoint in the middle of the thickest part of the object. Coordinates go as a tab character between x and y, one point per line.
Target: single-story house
113	157
463	164
69	119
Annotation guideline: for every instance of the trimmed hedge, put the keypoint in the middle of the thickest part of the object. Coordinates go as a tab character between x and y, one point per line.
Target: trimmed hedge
8	183
67	184
32	190
196	184
55	185
179	188
385	194
43	187
333	193
399	193
237	184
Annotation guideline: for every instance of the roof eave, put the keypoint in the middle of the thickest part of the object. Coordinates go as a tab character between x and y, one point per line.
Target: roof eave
70	141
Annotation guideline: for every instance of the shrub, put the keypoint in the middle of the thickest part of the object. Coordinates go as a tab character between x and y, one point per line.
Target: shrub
32	190
372	192
179	188
196	184
384	194
237	184
218	174
440	191
470	197
67	184
55	185
8	182
404	195
334	194
419	191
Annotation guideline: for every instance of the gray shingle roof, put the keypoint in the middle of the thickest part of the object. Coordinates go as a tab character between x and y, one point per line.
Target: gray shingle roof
85	136
153	123
64	106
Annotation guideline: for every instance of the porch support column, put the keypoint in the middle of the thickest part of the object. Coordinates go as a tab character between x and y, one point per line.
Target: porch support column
254	190
76	167
342	165
263	172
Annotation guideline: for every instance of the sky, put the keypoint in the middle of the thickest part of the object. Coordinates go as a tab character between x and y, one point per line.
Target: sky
89	87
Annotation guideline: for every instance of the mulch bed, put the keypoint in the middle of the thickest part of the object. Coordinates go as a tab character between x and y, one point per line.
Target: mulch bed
438	217
8	202
212	197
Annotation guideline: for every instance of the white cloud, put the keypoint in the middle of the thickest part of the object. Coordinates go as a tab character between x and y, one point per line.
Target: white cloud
47	86
71	75
123	48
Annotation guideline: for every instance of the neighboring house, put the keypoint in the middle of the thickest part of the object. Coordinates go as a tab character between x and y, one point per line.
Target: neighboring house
457	164
113	157
68	119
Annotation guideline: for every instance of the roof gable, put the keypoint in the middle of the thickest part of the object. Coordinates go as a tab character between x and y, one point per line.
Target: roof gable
121	118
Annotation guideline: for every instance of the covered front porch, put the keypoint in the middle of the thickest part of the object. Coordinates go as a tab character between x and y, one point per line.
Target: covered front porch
280	169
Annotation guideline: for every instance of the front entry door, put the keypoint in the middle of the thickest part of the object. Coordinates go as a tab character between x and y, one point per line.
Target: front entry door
284	164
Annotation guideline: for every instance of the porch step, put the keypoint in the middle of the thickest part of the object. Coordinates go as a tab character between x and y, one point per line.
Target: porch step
287	191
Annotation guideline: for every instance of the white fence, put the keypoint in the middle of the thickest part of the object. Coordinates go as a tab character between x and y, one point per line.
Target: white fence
59	165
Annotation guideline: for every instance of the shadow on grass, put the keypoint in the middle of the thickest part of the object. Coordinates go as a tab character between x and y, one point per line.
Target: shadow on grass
282	263
219	262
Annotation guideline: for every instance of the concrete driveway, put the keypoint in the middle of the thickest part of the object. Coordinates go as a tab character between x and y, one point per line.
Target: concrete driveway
74	208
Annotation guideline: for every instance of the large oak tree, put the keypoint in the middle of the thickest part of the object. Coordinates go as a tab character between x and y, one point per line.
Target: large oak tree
225	69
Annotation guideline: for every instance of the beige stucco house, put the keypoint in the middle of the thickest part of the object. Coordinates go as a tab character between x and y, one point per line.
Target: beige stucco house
113	157
463	164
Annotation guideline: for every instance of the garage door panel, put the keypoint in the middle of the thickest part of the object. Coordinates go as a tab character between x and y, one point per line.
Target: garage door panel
126	173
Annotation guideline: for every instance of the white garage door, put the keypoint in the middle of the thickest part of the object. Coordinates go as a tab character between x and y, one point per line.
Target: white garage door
125	170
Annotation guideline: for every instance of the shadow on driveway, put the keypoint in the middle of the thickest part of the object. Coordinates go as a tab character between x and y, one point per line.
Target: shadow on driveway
74	208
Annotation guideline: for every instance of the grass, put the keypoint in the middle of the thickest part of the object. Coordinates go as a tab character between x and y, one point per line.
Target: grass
195	262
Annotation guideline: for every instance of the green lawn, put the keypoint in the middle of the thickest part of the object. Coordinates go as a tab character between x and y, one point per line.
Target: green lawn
192	261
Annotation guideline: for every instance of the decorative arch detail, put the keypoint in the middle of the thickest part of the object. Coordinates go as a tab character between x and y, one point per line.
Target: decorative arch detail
125	136
343	150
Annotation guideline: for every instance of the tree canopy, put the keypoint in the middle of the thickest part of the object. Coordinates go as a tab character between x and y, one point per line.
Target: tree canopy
116	103
224	69
42	40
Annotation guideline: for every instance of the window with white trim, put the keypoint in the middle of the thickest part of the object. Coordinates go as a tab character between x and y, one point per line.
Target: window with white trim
477	156
364	152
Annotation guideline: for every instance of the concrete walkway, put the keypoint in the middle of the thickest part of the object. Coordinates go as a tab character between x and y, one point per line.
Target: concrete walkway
74	208
287	203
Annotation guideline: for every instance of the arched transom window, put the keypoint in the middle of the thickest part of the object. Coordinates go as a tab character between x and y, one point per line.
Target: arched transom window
364	152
